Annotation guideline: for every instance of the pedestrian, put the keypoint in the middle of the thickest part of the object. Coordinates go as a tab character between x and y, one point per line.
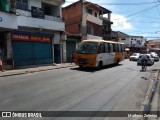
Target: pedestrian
1	63
72	57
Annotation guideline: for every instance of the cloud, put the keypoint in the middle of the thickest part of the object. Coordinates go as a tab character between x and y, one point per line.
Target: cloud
120	23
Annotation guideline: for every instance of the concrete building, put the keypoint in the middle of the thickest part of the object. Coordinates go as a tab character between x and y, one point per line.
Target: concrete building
8	23
153	46
85	20
134	43
34	32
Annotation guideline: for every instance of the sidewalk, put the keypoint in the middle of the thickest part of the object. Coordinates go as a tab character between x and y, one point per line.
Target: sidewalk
151	103
35	69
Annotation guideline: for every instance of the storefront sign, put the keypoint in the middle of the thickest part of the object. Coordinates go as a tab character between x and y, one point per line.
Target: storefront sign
20	37
35	38
37	12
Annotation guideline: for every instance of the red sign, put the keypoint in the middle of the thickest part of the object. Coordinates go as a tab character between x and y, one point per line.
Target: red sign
34	38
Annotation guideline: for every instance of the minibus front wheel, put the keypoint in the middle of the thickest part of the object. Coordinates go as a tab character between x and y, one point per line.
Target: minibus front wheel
100	64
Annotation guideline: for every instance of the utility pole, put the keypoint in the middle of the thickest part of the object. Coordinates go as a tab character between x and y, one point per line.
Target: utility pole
81	22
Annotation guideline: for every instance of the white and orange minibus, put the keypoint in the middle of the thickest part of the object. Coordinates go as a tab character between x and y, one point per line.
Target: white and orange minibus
97	53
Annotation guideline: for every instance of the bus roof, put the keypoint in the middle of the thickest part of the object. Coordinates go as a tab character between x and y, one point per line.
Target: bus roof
108	41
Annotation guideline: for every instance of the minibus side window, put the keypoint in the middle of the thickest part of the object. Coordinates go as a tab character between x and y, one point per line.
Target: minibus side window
111	47
107	47
101	48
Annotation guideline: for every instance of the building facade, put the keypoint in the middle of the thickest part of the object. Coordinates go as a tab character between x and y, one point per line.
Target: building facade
134	43
8	23
153	44
85	20
38	32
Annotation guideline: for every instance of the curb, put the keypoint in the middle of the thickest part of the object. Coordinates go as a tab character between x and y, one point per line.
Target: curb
147	104
33	71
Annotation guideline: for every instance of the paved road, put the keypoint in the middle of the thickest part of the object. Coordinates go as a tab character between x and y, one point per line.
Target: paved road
114	88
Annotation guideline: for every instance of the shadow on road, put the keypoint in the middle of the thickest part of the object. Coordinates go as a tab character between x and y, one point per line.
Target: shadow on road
89	69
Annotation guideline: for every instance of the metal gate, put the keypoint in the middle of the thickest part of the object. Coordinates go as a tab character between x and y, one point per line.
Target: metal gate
70	47
31	53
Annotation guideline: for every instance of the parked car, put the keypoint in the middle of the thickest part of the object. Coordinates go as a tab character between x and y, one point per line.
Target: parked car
153	53
134	56
154	56
149	62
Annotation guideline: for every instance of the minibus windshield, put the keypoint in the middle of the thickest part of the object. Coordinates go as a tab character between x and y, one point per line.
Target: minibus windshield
87	48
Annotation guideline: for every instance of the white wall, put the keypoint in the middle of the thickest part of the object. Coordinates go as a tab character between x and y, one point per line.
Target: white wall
93	19
40	23
9	20
93	37
38	3
56	38
64	51
134	42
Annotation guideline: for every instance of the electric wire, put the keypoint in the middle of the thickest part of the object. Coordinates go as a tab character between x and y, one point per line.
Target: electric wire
103	3
157	9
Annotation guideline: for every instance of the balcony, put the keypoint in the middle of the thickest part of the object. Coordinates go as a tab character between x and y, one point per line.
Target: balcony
49	22
94	37
92	19
8	20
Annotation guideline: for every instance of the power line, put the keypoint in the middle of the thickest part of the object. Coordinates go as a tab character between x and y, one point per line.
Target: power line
151	17
143	3
157	9
145	22
140	3
142	11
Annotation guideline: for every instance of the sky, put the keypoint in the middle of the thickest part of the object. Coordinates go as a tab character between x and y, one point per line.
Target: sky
137	18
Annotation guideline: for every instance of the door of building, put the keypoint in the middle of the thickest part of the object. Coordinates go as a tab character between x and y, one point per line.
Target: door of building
31	53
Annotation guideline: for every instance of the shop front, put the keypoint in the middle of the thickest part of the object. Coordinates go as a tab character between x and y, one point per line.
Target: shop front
31	49
71	44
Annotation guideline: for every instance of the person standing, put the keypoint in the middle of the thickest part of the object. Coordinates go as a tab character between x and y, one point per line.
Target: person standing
1	62
72	57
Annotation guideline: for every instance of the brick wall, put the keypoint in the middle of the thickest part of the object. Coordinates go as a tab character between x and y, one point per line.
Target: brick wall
72	16
97	29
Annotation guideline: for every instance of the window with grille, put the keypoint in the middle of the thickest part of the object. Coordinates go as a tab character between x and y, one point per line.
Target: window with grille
22	4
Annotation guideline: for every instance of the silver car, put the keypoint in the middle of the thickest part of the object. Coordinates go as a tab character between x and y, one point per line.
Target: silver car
154	56
150	60
134	57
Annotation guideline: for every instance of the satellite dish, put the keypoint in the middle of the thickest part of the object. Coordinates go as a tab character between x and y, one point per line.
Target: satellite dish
17	13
